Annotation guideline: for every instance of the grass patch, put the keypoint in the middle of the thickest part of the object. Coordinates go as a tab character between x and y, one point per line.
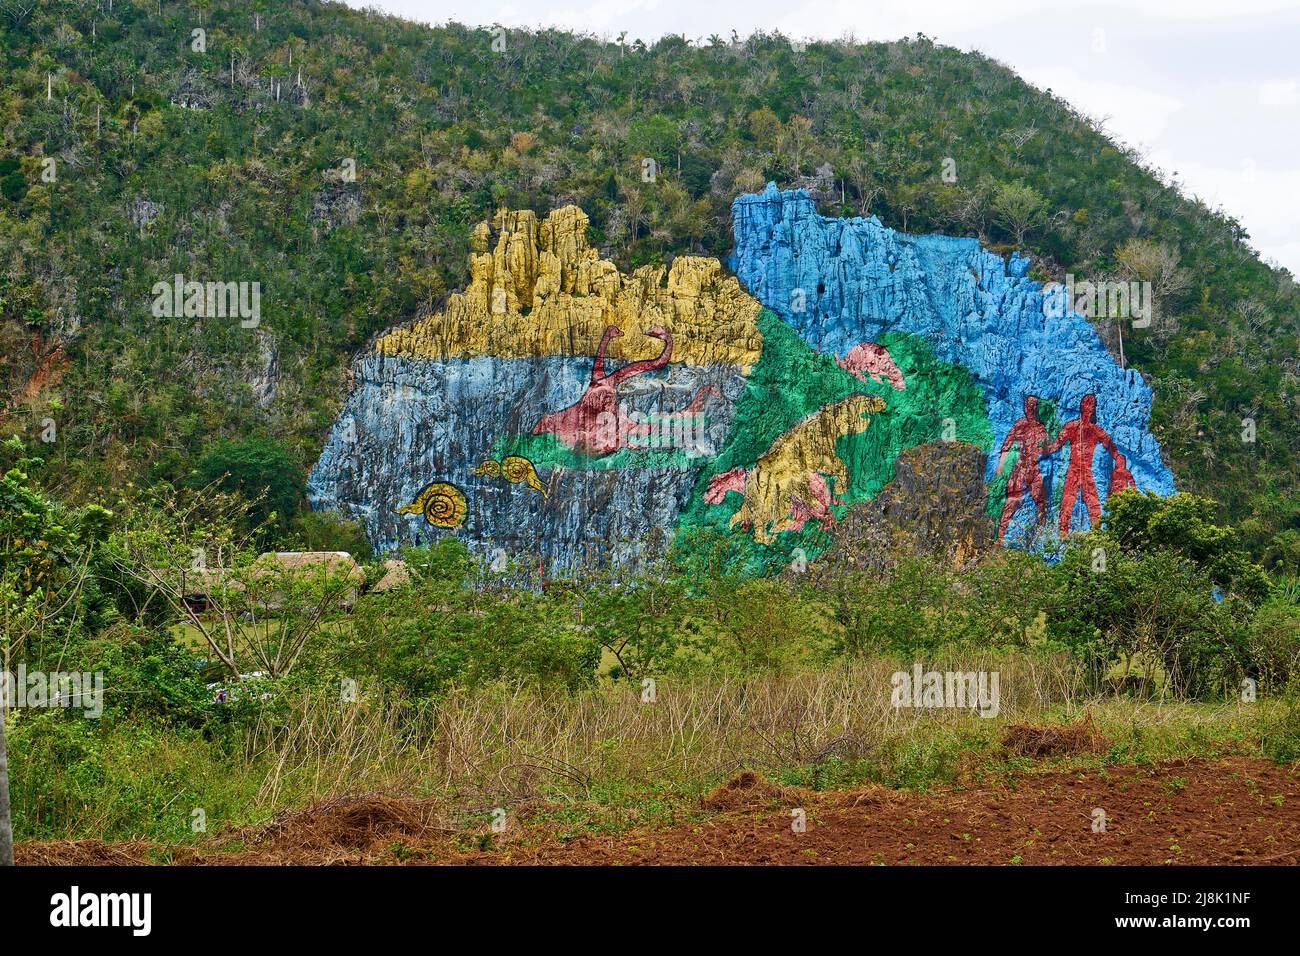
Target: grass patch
596	761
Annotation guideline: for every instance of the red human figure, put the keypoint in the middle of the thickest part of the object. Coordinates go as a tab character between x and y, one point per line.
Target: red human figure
1031	435
1121	477
1083	435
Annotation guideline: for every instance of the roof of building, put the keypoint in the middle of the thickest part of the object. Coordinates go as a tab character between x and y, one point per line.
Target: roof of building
396	574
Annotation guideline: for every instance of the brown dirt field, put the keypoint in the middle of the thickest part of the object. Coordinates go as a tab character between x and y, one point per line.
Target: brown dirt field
1234	810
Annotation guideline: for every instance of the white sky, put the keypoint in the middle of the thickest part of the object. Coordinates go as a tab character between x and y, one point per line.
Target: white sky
1209	89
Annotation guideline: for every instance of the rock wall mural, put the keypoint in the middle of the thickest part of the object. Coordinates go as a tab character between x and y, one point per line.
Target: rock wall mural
556	411
1047	380
560	413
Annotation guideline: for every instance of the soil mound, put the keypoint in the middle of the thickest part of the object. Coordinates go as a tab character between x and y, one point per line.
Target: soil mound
1055	741
749	791
347	823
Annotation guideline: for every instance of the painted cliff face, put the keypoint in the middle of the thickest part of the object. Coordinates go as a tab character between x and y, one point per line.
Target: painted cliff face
556	411
841	282
564	414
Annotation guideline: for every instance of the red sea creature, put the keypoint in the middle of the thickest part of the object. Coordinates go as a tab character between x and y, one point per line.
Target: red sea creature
595	424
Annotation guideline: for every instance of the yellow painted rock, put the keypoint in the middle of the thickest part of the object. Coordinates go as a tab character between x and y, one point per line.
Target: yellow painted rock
538	288
443	505
785	474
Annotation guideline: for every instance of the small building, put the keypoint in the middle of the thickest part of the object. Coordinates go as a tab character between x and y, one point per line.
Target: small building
396	575
201	588
330	562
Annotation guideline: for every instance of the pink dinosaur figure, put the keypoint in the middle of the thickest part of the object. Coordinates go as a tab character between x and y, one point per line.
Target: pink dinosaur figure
819	509
595	424
870	359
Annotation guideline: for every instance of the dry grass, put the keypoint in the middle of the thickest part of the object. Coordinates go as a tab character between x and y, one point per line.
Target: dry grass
1055	740
607	758
511	745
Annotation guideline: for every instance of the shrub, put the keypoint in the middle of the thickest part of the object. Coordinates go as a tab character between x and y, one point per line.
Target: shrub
1274	644
328	531
148	675
1153	612
1184	525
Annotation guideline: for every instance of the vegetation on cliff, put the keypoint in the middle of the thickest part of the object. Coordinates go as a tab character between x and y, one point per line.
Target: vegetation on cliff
341	159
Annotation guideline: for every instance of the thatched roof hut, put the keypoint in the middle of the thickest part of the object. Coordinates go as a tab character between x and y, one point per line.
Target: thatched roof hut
199	586
335	562
396	575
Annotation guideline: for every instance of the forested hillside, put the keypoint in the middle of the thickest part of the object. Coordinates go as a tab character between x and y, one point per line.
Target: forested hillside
340	161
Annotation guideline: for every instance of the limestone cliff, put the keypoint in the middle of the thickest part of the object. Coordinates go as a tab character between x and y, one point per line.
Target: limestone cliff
842	282
539	289
936	507
560	413
604	392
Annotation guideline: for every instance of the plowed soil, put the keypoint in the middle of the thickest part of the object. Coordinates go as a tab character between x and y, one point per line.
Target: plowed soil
1230	811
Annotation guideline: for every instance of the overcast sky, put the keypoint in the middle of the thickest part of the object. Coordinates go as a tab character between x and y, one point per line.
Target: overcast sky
1207	88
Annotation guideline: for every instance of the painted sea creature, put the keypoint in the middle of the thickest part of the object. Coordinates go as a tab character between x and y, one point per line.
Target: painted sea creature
515	469
595	424
442	504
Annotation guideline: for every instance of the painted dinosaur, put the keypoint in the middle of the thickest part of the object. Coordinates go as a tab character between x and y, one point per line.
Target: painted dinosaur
787	486
595	424
871	360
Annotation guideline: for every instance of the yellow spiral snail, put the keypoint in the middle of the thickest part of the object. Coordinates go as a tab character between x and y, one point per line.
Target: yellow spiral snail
513	468
442	504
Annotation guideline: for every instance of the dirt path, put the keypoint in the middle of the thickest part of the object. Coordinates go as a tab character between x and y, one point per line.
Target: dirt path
1231	811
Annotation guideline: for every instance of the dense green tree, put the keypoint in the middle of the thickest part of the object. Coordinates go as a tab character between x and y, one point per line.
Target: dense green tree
317	531
1153	614
261	470
1186	525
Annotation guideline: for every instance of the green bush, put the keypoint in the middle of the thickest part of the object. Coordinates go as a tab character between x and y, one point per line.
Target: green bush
14	187
1152	613
920	607
151	677
116	779
441	632
1186	525
1274	644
